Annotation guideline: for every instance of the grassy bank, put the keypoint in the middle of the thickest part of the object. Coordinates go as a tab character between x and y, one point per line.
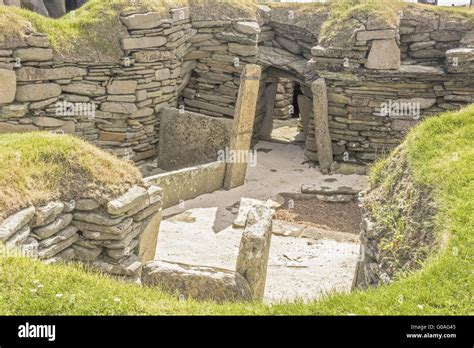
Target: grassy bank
439	153
40	167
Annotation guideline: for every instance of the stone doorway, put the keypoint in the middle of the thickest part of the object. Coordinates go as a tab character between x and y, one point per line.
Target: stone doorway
287	111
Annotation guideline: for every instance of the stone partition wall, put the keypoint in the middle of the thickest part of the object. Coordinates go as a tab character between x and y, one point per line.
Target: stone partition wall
189	59
116	237
188	139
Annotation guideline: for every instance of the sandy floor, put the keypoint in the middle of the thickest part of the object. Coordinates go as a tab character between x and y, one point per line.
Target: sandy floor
200	230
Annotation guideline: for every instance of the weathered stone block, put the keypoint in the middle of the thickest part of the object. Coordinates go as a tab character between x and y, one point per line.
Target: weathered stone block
36	92
122	87
249	28
34	54
38	74
254	250
15	222
8	86
145	21
196	282
134	197
376	35
384	54
143	42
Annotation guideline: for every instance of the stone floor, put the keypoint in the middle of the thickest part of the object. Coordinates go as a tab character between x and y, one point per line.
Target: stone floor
200	231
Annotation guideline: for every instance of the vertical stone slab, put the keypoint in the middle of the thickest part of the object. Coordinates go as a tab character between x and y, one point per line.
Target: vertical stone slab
270	97
306	111
242	127
321	125
252	262
149	235
149	239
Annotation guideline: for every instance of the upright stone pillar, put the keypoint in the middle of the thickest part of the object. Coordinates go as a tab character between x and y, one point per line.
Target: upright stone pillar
252	262
270	97
242	128
321	125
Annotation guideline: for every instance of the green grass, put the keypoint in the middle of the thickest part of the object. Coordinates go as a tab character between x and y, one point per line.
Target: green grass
439	153
39	167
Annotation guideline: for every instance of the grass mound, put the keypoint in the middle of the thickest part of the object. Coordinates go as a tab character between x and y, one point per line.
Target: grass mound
439	154
39	167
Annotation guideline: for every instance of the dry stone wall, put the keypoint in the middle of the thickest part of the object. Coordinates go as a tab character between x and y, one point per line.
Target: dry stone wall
114	237
382	78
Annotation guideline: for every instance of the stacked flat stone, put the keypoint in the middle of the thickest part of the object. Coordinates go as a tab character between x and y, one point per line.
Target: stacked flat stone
284	100
106	236
126	96
221	48
426	36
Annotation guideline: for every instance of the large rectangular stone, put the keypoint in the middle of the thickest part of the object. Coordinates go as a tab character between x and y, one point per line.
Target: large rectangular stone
39	74
143	42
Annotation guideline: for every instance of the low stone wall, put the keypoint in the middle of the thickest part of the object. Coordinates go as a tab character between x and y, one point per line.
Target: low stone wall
184	184
247	283
188	139
115	237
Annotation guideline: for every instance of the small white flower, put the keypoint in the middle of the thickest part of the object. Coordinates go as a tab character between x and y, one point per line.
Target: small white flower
182	297
36	282
39	286
33	291
420	306
59	296
117	300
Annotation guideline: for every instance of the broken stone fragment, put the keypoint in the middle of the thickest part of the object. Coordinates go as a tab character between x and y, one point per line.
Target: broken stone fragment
15	222
134	197
196	282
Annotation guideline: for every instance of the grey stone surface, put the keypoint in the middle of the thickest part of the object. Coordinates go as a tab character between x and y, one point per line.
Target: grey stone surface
189	139
252	261
196	282
8	86
15	222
